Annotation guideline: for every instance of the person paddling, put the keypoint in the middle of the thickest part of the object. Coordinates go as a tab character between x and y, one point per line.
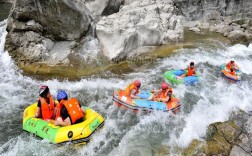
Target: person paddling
232	64
133	89
191	71
163	95
70	110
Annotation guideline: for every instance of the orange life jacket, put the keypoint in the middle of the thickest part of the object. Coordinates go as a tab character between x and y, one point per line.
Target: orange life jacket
47	109
191	71
131	87
229	66
74	110
164	94
59	106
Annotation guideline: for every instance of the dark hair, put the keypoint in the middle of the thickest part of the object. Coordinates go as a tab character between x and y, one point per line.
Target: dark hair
44	90
232	61
192	64
231	69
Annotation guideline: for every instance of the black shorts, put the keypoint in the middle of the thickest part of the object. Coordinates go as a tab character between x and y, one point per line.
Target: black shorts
78	121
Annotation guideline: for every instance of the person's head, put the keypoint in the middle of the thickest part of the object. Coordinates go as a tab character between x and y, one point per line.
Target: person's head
232	61
62	95
137	83
44	91
192	65
164	86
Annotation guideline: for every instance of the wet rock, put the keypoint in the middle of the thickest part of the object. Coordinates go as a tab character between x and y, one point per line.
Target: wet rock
229	131
237	36
195	148
231	137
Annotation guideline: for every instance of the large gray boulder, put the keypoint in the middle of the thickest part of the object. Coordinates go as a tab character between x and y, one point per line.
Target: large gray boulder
139	23
37	27
60	20
34	27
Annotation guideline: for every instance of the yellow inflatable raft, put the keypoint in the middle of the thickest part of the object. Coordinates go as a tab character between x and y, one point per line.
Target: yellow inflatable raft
77	133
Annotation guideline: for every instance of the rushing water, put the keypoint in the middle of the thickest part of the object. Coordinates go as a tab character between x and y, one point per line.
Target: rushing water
124	132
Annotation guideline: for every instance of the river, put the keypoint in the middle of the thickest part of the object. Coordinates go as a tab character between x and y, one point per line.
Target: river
124	132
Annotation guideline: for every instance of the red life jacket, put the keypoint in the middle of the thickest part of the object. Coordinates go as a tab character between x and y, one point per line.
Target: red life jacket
74	110
164	94
191	71
131	87
59	106
47	109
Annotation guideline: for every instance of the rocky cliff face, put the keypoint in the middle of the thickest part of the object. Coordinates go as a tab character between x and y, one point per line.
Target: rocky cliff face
36	28
58	32
232	18
197	9
139	23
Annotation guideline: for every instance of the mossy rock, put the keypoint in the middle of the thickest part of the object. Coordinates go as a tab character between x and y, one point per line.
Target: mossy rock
229	131
194	148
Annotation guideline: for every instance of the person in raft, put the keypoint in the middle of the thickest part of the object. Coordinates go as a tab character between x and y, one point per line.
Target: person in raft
46	105
191	71
232	64
232	71
133	89
68	112
162	95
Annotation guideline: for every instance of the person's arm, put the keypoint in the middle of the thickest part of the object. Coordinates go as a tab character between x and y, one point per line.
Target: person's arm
237	67
194	73
38	111
133	96
38	115
83	110
55	109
